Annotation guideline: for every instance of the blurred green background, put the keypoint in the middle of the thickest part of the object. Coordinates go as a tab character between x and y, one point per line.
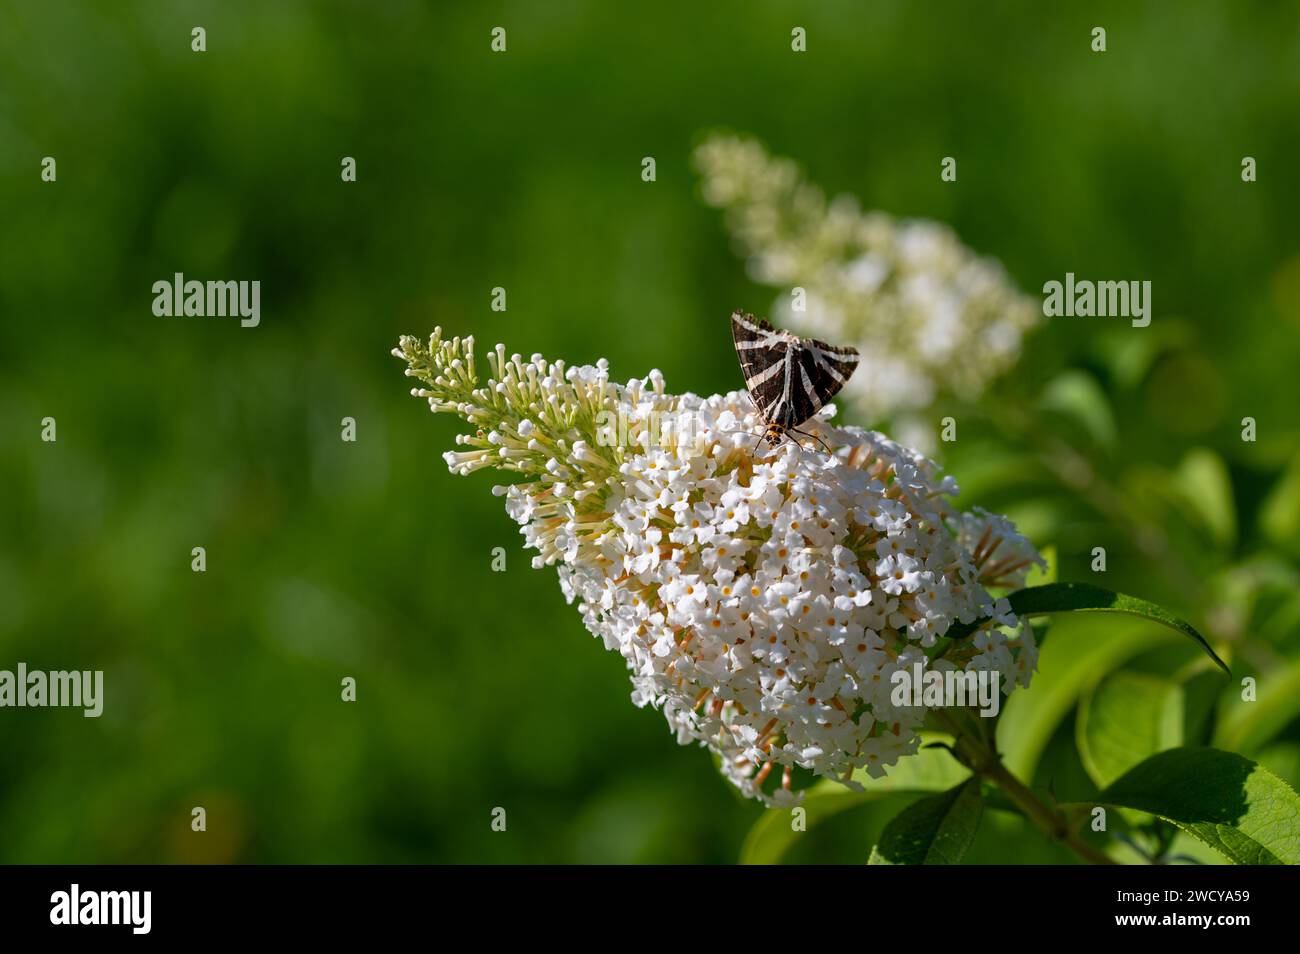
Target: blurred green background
328	559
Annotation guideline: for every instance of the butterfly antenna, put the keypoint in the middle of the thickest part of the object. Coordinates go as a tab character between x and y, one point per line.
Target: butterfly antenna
825	446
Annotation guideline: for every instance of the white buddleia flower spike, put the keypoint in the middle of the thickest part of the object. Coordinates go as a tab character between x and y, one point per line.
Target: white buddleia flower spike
1002	556
761	603
926	314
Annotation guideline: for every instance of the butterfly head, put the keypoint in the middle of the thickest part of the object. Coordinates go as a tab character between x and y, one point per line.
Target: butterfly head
774	434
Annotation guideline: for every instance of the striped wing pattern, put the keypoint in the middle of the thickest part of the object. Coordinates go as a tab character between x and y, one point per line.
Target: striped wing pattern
789	378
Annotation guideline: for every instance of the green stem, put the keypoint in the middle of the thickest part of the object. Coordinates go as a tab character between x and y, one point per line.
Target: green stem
974	748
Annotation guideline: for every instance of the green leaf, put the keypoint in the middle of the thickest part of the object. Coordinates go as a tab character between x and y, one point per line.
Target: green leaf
1205	486
1259	595
1184	849
1234	805
1246	726
935	830
1279	515
1126	718
928	770
1283	760
1082	650
1077	396
1202	688
1083	597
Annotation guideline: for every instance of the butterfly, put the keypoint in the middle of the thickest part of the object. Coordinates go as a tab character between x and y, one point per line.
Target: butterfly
789	378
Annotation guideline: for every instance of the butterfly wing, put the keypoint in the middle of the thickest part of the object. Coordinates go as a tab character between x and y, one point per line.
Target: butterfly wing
789	379
820	370
762	352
